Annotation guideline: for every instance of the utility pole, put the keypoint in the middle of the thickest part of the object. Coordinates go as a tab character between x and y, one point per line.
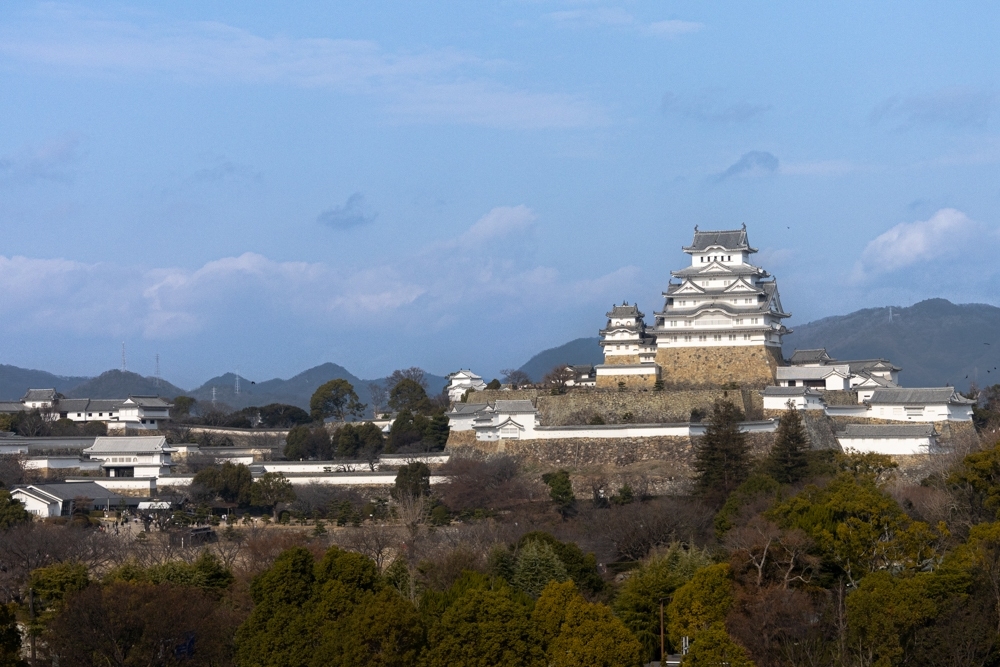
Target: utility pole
32	630
662	644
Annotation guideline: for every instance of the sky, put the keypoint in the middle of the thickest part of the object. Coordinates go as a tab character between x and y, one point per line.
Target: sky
264	187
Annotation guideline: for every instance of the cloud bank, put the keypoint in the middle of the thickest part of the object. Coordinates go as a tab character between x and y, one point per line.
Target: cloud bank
352	214
754	163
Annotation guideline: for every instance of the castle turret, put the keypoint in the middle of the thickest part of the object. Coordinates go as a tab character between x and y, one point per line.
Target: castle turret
629	351
722	319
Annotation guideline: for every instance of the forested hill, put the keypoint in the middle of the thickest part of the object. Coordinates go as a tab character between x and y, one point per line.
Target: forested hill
119	384
15	381
576	352
936	342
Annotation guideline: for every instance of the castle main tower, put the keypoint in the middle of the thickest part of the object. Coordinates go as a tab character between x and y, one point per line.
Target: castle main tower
722	318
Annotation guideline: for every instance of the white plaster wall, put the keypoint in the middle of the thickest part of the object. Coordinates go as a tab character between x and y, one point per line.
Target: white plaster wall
890	446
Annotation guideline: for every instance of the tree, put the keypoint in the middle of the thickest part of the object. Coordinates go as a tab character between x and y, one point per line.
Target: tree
382	630
53	584
550	610
788	460
581	567
483	628
232	482
124	624
494	384
537	565
700	603
715	647
592	636
10	638
412	373
560	376
515	377
270	490
407	394
884	613
336	399
12	512
303	443
413	480
364	440
183	406
281	415
561	492
379	397
722	459
638	602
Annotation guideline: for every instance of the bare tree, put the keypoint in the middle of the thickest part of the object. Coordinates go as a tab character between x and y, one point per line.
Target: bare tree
379	397
12	469
379	542
559	377
515	377
412	373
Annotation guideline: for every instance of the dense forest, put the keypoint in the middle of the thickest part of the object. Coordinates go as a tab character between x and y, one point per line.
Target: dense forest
798	558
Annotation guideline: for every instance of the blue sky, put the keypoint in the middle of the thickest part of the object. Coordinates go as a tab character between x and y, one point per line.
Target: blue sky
269	186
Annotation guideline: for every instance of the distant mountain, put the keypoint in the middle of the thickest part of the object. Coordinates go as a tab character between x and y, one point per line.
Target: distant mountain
15	381
577	352
935	341
296	390
119	384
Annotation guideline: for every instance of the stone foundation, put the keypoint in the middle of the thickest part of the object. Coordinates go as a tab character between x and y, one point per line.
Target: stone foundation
632	382
611	359
745	365
646	407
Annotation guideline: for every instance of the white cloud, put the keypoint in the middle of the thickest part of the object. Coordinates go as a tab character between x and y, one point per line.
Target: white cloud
619	18
468	278
949	233
429	86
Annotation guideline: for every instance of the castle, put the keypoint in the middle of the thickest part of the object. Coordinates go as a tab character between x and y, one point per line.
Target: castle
721	324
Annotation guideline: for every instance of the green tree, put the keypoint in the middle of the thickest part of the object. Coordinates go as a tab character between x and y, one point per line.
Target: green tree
232	482
549	612
303	443
715	647
756	486
412	480
581	567
638	601
281	415
207	573
336	399
437	431
699	603
407	429
592	636
561	492
536	565
53	583
407	394
483	628
788	460
10	638
382	630
494	384
364	441
12	512
182	407
858	528
885	612
722	459
977	481
270	490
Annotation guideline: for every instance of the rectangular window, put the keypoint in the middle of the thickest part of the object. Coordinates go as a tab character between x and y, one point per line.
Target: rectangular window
702	338
746	336
732	336
717	337
687	339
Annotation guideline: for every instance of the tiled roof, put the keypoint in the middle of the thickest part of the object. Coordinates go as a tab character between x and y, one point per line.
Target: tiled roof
136	444
11	406
887	431
625	310
810	372
858	365
150	401
466	408
735	270
514	406
924	396
790	391
810	356
73	404
734	239
39	395
70	490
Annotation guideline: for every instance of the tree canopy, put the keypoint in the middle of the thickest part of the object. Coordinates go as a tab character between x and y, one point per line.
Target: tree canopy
336	399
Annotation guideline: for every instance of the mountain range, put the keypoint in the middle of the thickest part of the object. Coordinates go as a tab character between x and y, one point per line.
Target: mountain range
935	342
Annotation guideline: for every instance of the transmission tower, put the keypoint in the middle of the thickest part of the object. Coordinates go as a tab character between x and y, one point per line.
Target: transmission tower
157	373
213	396
124	367
237	382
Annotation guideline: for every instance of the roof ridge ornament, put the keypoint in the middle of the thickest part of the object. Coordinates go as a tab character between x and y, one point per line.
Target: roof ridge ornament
696	228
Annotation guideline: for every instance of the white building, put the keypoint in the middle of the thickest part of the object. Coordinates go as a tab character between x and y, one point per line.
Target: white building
801	398
461	381
816	368
142	413
135	412
462	415
722	299
506	420
891	439
139	456
41	399
919	405
60	498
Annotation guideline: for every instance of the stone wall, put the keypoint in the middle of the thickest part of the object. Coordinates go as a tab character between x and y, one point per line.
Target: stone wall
612	359
461	439
632	382
490	395
748	366
646	407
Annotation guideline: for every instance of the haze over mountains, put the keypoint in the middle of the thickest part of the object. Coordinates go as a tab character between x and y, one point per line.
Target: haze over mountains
935	341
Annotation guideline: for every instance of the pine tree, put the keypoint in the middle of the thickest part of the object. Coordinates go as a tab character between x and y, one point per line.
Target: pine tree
789	458
721	456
